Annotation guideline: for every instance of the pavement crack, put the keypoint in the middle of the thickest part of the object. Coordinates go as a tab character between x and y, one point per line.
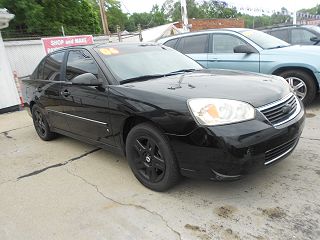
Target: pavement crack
313	139
6	134
126	204
7	131
58	164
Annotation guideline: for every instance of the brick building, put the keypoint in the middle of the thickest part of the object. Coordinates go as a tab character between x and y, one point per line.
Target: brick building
201	24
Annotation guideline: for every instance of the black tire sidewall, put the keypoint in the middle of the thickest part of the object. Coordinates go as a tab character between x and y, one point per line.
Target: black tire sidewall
171	174
307	79
48	134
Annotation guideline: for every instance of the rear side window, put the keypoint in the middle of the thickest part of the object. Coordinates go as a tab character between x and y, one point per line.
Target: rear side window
194	44
51	67
281	34
171	43
80	62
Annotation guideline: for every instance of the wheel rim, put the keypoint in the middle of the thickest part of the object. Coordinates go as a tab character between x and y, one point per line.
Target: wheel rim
299	87
149	160
39	123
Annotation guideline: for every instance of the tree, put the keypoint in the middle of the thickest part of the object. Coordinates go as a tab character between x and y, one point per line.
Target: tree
45	17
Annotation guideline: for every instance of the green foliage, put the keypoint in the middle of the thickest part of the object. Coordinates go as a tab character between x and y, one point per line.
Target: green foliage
45	17
315	10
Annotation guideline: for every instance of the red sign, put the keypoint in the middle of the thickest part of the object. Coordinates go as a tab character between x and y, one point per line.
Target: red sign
55	43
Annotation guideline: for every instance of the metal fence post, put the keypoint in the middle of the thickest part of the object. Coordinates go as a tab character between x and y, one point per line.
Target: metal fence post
119	33
140	33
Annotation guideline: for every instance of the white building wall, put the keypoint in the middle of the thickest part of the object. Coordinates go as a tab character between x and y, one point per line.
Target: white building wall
8	91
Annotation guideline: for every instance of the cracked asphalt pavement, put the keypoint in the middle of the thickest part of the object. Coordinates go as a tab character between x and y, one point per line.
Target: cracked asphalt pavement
66	189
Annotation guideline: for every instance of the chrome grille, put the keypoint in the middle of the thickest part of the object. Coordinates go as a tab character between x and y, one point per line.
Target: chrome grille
281	111
279	151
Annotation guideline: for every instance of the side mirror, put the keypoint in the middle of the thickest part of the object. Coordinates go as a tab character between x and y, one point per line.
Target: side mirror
87	79
315	39
243	49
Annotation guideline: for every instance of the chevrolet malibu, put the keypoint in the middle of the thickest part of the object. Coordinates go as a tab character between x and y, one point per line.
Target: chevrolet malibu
164	112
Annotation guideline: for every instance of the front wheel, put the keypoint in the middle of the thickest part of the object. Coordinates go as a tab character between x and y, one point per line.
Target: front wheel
302	83
151	158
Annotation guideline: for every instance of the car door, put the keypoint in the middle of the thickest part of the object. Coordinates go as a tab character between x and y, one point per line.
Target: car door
222	54
196	47
48	88
86	107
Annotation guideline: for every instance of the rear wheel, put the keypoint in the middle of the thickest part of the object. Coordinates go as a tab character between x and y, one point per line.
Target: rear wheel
302	83
151	158
41	125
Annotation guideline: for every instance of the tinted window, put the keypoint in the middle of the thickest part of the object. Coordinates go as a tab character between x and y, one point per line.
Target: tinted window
194	44
51	67
171	43
38	73
79	62
223	43
301	36
281	34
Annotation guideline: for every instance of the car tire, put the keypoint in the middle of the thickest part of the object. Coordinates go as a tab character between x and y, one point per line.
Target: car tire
294	77
151	158
41	124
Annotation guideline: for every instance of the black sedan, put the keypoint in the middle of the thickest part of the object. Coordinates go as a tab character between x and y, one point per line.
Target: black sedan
164	112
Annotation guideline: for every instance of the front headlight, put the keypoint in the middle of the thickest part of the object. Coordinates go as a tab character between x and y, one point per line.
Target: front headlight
211	111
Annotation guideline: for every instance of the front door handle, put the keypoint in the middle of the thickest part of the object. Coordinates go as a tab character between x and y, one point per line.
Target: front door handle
65	93
213	59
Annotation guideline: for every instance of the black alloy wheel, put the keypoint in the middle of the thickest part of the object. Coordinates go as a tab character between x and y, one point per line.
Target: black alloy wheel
148	159
151	158
41	125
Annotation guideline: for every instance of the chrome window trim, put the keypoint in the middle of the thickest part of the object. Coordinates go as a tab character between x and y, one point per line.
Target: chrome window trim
292	116
82	118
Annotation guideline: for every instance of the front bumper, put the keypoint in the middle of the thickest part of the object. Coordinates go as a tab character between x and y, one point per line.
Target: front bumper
231	151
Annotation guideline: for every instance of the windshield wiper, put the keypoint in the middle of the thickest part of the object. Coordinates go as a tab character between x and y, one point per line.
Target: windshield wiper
148	77
280	46
181	71
141	78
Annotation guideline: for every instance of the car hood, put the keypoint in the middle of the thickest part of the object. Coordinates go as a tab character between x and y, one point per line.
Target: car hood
255	89
296	49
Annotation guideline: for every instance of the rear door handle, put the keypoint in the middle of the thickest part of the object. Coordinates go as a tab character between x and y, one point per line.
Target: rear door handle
65	93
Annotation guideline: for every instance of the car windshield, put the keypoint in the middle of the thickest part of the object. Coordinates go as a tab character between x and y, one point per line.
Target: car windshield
264	40
314	28
134	62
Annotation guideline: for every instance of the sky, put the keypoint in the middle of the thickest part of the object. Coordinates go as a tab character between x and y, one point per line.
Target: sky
132	6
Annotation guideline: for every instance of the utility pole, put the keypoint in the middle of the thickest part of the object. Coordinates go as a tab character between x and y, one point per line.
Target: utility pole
103	17
184	16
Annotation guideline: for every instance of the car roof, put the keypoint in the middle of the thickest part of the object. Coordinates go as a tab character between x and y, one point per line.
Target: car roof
113	44
239	30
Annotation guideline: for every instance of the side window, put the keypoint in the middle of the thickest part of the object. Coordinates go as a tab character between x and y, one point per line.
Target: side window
281	34
194	44
38	73
224	43
301	36
79	62
171	43
52	66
